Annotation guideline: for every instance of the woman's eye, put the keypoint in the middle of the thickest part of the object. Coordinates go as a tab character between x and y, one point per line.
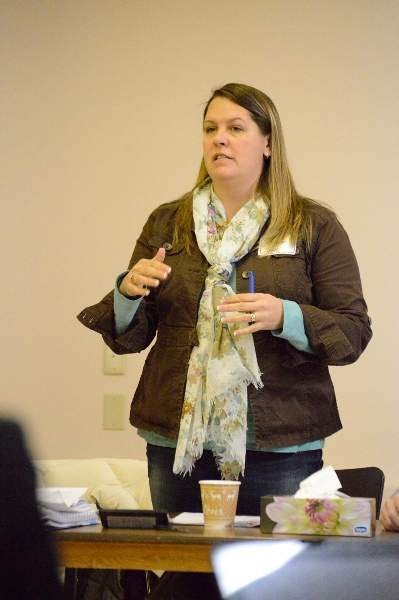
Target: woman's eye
209	129
236	128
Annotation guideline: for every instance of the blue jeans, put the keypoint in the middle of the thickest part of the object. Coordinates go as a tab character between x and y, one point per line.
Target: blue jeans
266	473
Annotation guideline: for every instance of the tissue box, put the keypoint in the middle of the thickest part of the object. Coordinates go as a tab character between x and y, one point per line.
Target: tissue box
313	516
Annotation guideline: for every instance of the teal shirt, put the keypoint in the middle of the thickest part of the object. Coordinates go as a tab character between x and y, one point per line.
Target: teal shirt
293	331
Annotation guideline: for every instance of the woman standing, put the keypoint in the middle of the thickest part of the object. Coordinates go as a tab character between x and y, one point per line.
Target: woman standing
252	291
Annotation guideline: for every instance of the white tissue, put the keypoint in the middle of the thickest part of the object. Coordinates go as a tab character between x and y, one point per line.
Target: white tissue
322	484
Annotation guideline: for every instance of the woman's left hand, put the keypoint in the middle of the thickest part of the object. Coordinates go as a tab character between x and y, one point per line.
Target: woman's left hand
257	312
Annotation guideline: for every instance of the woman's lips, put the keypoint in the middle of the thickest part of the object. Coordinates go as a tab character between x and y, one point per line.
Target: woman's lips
221	157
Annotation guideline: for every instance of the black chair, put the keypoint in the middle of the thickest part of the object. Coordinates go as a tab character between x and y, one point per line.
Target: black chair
363	482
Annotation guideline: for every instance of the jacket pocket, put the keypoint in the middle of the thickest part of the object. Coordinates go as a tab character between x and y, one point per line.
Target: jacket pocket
291	277
159	397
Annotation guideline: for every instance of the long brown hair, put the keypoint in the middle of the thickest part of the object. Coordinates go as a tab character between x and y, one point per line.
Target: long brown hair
288	217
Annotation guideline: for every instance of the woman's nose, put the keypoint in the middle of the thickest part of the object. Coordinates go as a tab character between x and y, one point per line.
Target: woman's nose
220	138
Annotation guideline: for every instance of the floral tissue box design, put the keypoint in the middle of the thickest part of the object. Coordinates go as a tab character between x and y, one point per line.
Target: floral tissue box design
336	516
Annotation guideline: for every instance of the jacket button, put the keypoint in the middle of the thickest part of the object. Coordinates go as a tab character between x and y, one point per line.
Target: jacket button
245	274
167	246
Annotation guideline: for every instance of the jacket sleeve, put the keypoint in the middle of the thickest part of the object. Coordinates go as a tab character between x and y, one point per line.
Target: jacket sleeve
337	324
100	317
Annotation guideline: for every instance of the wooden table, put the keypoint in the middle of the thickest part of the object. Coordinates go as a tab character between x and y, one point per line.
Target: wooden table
178	548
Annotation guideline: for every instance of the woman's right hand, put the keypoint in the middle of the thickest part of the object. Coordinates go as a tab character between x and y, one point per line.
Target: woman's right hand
146	273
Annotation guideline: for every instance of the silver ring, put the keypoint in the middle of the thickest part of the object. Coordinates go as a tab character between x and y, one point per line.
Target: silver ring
252	318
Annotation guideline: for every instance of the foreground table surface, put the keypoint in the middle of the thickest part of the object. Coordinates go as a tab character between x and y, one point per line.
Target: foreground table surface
178	548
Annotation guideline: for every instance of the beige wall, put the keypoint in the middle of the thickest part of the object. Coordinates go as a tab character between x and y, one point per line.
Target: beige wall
100	122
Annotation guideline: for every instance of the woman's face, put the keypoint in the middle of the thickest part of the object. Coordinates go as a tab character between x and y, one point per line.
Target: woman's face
233	145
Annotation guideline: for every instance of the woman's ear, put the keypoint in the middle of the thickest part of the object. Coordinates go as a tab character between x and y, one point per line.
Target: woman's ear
267	151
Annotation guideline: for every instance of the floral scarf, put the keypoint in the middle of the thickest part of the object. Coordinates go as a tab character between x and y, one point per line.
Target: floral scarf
221	366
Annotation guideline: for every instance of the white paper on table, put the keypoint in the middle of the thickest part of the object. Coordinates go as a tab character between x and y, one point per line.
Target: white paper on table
59	498
191	518
82	513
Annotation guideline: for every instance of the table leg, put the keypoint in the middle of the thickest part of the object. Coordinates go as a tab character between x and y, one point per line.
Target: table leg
71	584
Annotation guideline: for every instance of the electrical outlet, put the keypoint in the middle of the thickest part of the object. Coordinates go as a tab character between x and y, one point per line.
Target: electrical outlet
114	412
113	364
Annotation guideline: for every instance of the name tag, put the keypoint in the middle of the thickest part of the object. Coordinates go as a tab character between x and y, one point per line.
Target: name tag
285	247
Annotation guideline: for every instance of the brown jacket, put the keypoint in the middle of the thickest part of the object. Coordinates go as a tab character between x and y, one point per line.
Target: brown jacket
297	403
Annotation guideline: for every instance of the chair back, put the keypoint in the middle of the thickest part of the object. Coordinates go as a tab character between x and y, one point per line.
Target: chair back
363	482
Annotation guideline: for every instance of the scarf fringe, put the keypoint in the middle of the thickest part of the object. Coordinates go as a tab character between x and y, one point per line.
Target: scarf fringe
221	461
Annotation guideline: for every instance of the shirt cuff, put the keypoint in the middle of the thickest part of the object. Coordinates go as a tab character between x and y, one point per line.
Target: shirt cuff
124	308
293	328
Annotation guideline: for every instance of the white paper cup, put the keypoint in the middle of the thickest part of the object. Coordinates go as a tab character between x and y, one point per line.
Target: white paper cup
219	502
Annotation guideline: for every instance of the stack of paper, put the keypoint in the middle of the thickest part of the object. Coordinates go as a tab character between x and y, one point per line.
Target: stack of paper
63	507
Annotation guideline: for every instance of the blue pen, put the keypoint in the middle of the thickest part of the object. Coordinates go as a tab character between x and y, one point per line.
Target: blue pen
251	282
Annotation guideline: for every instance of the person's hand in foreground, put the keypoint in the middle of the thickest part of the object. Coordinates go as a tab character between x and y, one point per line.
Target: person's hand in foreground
390	514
